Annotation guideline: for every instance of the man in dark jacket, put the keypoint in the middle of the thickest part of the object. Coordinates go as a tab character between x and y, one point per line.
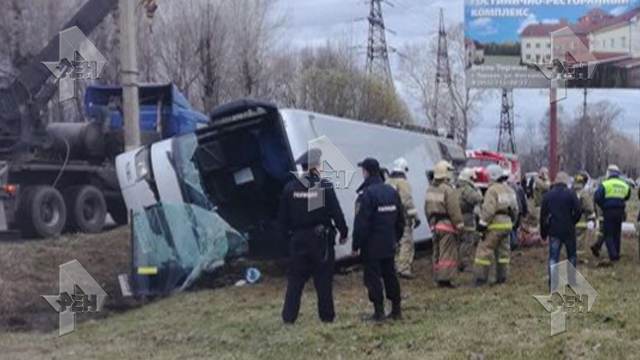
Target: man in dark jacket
308	212
378	227
559	213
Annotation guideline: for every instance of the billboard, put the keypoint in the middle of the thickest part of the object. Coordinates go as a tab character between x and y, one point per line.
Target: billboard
544	43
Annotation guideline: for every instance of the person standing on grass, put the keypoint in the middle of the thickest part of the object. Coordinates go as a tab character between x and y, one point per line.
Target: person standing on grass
378	227
308	216
498	213
406	250
611	197
470	198
442	208
583	229
560	211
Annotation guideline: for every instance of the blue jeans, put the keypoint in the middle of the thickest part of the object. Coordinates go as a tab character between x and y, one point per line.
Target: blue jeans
555	247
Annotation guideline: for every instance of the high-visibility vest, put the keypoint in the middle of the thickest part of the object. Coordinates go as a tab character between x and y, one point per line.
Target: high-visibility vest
615	188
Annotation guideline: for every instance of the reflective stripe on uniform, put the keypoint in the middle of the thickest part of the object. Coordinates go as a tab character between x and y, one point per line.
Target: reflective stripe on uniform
412	212
482	262
443	227
445	264
581	225
501	226
504	261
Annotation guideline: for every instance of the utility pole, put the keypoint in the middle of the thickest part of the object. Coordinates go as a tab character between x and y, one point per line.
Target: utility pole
443	75
506	138
553	132
378	64
583	130
129	74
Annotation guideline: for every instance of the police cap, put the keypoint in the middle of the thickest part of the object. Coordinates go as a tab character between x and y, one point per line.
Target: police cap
310	158
371	165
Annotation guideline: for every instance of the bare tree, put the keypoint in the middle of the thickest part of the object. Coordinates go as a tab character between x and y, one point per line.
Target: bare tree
331	81
213	53
458	103
605	144
176	57
255	27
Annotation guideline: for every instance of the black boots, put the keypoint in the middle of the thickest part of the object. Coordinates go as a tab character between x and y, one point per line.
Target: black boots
479	282
595	250
396	311
501	274
446	284
378	314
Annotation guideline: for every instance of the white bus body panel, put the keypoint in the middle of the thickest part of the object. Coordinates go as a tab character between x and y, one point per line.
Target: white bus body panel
354	139
136	192
357	140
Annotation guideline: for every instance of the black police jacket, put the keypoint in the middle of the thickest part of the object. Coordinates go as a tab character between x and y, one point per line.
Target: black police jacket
307	202
379	222
560	212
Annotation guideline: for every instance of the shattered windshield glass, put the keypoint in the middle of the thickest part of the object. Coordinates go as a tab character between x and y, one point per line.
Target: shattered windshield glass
174	244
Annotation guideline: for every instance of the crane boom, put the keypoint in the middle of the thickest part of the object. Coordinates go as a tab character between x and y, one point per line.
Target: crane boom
21	102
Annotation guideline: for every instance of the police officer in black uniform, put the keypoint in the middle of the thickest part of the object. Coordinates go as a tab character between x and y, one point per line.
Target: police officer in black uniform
308	216
378	227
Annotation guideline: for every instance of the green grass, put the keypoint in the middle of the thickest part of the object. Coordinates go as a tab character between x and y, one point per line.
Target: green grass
244	323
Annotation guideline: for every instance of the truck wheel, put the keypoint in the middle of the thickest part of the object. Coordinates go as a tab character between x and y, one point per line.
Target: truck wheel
87	209
44	213
118	212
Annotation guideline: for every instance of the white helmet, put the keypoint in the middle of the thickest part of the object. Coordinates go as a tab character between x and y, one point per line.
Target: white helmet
400	165
495	172
443	170
613	170
467	174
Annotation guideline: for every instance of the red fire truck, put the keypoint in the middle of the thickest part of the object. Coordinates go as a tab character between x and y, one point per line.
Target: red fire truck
480	159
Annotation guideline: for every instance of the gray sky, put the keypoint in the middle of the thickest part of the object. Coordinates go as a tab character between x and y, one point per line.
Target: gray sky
313	22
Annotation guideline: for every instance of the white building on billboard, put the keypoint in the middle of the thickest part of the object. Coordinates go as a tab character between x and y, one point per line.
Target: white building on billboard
475	52
612	41
535	42
618	37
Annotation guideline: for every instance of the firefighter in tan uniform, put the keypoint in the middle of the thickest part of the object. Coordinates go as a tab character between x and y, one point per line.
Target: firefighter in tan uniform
498	213
583	230
406	251
470	198
442	208
541	186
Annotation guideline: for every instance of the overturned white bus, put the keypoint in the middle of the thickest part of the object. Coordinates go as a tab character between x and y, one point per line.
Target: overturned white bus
240	162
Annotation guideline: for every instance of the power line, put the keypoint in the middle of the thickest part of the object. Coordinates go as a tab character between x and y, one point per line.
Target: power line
506	138
377	49
443	76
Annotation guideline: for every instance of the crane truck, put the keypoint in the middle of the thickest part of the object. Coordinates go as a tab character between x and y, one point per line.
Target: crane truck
60	176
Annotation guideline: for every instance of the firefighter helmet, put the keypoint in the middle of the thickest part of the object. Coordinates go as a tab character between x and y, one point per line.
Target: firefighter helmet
467	174
495	172
400	165
442	170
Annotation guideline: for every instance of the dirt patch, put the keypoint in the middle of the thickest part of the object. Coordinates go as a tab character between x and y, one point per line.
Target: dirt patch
29	269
